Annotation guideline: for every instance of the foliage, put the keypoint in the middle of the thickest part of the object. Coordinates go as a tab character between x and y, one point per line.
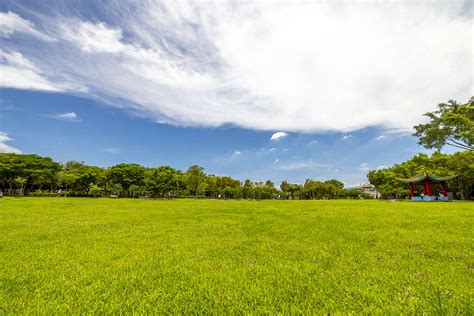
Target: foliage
83	256
163	181
355	194
195	180
452	124
29	173
20	174
125	175
460	164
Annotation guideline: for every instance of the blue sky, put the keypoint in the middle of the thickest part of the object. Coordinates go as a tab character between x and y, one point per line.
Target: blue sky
338	87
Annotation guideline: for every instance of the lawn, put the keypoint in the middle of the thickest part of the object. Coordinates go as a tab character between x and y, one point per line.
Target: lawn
71	255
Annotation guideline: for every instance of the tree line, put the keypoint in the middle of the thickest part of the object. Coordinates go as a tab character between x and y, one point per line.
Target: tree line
460	164
41	176
452	124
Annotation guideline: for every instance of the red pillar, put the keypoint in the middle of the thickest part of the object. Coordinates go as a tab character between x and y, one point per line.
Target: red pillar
427	188
412	190
443	189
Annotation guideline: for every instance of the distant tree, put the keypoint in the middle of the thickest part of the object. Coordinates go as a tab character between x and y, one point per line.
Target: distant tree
248	189
117	189
33	170
336	183
94	190
78	177
460	164
134	190
162	181
194	179
452	124
126	174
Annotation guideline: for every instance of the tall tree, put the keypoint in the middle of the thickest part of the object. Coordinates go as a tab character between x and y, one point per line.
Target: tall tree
126	174
452	124
195	180
162	181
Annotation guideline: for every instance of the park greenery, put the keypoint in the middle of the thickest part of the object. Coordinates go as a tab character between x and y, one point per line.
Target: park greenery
460	164
452	125
41	176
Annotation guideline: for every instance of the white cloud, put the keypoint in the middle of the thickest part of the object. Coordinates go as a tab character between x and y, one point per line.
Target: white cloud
298	67
381	167
19	72
265	151
68	116
4	148
278	135
380	137
346	137
364	167
11	23
313	142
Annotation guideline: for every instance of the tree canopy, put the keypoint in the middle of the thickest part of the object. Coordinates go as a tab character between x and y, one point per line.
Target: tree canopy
452	124
460	164
40	176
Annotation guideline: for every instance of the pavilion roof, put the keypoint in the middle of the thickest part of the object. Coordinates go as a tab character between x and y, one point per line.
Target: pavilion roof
426	176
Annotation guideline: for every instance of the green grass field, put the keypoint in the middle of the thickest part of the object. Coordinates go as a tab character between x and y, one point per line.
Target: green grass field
71	255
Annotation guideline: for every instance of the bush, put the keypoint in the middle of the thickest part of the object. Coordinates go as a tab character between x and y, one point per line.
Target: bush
40	193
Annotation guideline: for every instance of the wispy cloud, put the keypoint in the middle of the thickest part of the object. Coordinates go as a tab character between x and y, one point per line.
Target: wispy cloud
380	137
364	167
278	135
264	150
5	148
20	73
236	154
346	137
68	116
260	65
313	142
11	23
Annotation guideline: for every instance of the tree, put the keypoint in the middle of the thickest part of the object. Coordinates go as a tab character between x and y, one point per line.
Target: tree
194	179
460	164
33	170
126	174
162	180
78	177
452	124
248	189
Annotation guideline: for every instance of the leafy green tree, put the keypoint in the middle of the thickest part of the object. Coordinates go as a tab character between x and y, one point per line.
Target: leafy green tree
126	174
135	190
162	181
452	124
95	190
78	177
35	172
194	179
460	164
248	189
117	189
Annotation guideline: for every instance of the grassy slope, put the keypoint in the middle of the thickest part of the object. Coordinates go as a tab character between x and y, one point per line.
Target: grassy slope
97	255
